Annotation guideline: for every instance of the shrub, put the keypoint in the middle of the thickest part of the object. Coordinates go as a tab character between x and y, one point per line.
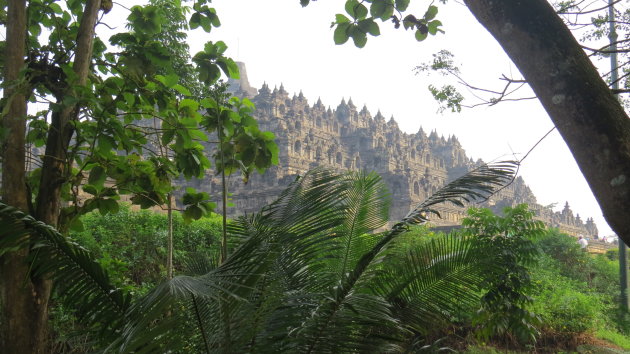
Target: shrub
132	244
504	306
566	310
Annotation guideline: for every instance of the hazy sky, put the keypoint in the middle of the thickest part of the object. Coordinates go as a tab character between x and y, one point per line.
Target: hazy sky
281	42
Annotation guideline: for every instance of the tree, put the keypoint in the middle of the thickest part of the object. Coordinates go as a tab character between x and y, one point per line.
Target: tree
589	118
504	306
92	132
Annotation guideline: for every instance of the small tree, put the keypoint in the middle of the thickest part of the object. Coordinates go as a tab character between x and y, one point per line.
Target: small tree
504	305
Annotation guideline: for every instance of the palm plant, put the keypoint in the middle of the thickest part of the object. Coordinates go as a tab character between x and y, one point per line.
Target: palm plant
311	273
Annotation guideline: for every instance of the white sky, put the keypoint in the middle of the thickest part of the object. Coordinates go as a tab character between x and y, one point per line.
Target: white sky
281	42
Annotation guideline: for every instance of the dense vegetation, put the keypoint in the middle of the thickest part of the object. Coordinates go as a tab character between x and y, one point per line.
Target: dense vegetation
502	280
309	273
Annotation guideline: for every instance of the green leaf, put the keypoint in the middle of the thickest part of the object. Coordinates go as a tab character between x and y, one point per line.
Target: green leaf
274	150
97	176
401	5
433	27
383	9
76	225
420	36
409	21
341	33
198	134
358	36
182	90
229	67
206	24
168	136
189	105
340	18
55	7
195	20
431	13
208	103
168	80
214	19
129	98
369	26
108	206
355	9
304	3
90	189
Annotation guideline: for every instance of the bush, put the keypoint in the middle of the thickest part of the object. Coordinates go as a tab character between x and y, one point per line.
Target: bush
576	292
566	310
505	304
613	254
132	245
565	249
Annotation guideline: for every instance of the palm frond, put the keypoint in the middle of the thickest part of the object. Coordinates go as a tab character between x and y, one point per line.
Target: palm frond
81	282
366	207
275	292
274	247
432	282
475	185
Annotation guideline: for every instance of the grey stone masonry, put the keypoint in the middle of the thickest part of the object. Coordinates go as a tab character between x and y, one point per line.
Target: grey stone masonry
413	166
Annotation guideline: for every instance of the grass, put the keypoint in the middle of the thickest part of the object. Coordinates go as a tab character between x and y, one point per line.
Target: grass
614	337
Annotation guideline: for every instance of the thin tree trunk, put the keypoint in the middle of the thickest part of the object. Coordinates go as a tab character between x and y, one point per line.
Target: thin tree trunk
16	292
169	260
580	104
227	336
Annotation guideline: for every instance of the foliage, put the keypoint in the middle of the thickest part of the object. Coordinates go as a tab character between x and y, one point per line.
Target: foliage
122	116
314	281
83	283
363	22
613	254
575	292
564	305
564	249
309	274
143	81
614	337
505	304
131	244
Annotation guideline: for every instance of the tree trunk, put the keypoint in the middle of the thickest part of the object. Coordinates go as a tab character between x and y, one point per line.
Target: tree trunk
54	173
24	299
169	257
588	116
17	296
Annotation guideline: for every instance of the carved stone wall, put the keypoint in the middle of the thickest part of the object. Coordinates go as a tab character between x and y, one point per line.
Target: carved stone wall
413	166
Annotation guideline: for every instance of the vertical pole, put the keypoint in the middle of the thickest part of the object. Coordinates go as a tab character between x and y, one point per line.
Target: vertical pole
623	249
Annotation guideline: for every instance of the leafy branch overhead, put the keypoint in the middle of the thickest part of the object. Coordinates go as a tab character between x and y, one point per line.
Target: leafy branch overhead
361	19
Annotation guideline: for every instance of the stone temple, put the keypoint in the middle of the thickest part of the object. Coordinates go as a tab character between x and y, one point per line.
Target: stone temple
413	166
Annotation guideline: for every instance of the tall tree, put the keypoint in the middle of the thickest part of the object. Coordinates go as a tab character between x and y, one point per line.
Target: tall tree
16	333
590	119
93	134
